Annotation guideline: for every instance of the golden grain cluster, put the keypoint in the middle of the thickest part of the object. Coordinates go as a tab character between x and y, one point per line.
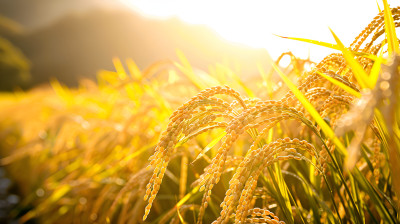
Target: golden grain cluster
258	117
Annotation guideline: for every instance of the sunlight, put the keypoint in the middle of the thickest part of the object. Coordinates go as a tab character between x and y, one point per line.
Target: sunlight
254	22
136	114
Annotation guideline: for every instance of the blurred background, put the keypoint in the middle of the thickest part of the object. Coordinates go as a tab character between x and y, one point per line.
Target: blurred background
70	40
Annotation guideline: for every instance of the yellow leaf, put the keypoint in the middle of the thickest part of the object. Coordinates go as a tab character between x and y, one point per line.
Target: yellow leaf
329	45
187	70
210	146
358	72
341	85
379	8
133	69
390	31
374	74
59	193
120	69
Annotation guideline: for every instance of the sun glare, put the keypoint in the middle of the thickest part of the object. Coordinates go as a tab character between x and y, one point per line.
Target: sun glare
254	22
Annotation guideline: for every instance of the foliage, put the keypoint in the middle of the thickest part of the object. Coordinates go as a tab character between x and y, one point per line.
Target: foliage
9	27
324	150
14	66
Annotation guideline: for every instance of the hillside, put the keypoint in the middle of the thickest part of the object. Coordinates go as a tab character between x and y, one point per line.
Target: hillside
80	44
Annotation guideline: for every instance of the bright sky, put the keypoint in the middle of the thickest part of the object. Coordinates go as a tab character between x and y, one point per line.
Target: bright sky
253	22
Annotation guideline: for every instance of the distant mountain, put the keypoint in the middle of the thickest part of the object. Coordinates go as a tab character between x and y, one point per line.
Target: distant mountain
36	13
79	45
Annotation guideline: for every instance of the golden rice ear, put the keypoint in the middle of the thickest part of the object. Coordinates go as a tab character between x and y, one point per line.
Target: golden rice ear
325	128
182	120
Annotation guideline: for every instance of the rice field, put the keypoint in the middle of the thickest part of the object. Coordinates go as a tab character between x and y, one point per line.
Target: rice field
312	142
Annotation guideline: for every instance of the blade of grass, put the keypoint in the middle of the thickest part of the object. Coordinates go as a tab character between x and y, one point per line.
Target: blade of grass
134	69
284	190
313	198
120	68
339	173
183	176
379	8
341	85
329	45
210	146
187	196
358	72
191	195
378	202
374	74
274	189
266	79
235	77
187	70
355	190
297	207
390	31
179	215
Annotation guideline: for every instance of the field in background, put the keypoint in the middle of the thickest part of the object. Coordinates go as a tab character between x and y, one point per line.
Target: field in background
222	147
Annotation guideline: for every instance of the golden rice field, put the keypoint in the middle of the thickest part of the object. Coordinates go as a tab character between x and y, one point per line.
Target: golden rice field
169	144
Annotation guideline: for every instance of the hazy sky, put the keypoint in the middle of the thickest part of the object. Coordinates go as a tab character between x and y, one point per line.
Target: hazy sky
253	22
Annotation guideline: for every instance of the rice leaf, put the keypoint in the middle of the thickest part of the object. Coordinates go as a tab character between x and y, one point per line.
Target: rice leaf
283	189
179	215
266	79
358	72
330	45
187	70
59	192
390	30
355	191
376	68
133	69
341	85
276	192
210	146
187	196
119	68
379	8
235	77
377	201
183	176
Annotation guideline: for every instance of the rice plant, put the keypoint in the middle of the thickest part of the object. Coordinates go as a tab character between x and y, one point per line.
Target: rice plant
345	92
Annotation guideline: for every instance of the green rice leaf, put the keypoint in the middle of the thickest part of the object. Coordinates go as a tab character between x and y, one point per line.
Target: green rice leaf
377	201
